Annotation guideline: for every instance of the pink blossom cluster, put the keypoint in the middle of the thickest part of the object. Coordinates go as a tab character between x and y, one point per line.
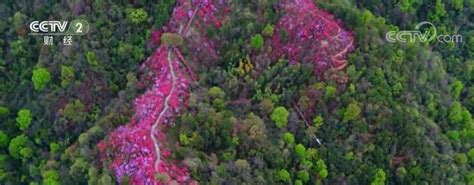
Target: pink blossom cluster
313	36
131	147
191	19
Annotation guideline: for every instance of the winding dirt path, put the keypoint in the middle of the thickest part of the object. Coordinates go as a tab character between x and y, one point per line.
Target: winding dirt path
173	87
163	111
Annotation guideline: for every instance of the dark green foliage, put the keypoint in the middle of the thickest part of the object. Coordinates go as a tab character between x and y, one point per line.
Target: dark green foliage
67	75
74	111
4	111
3	139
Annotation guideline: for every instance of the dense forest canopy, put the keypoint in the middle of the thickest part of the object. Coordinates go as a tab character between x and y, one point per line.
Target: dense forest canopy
252	92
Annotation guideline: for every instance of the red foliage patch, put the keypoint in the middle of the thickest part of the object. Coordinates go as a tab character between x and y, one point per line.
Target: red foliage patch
131	147
307	34
313	36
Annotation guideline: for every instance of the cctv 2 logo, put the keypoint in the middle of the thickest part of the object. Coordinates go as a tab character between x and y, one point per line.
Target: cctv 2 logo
75	27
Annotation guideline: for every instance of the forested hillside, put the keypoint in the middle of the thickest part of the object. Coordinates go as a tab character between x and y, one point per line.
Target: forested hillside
252	92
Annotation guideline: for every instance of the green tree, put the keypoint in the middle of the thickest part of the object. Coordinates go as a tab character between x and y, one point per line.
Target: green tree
19	20
18	48
461	159
288	138
183	139
26	153
137	15
367	16
67	75
84	139
266	106
4	111
3	139
352	112
106	179
280	116
379	178
323	173
303	175
456	113
50	177
257	41
320	165
458	4
53	147
283	175
456	88
74	111
23	119
401	172
93	176
253	133
300	151
406	5
453	135
216	92
40	78
17	144
79	169
92	58
298	182
268	30
318	121
242	165
470	154
303	103
311	154
329	92
438	12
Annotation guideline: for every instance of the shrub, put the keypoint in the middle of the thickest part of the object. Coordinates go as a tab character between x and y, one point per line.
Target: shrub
257	41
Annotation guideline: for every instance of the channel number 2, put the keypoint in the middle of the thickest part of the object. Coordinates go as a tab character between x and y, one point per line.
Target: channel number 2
78	27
